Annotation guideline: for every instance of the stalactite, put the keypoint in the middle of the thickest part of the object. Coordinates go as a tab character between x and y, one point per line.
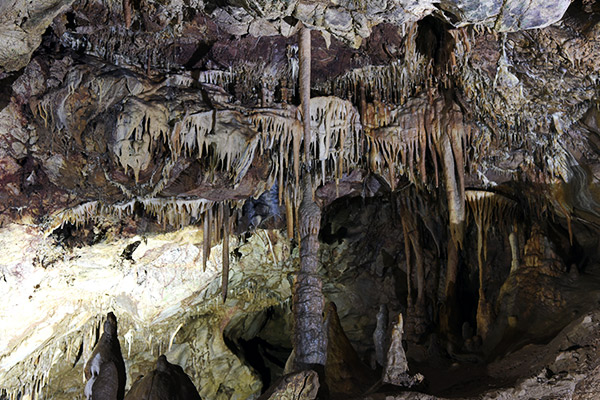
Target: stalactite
449	316
225	273
127	13
514	248
454	190
206	238
304	44
289	214
486	208
409	296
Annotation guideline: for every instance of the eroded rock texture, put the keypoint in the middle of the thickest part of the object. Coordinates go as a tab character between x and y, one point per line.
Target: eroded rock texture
159	160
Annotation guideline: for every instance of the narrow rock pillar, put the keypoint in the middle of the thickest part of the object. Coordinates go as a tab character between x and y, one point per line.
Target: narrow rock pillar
305	62
310	340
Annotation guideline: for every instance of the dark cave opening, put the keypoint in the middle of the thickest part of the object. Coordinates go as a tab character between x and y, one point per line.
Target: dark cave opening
435	42
261	340
456	366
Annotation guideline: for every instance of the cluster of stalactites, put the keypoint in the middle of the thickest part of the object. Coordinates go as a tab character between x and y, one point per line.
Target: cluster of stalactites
393	83
280	133
487	207
173	212
216	77
401	138
223	136
139	126
336	138
35	371
217	220
228	139
337	144
501	102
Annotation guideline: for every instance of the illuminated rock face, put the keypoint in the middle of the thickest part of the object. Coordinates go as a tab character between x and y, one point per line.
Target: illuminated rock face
55	299
452	154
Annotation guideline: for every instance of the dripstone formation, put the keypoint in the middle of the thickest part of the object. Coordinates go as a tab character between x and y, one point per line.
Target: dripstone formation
219	174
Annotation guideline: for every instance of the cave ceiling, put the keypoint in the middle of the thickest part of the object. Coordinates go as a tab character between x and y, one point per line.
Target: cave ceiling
156	116
118	104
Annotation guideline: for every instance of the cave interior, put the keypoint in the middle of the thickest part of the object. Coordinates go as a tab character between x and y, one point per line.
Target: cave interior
314	199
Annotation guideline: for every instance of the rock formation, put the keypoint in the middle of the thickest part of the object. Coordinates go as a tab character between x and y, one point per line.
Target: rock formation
167	381
105	369
215	172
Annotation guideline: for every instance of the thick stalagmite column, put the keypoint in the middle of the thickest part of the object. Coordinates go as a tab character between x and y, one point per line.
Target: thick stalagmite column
310	341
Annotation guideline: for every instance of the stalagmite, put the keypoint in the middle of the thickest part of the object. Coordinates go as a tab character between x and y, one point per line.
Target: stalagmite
412	239
396	366
395	370
379	335
105	369
409	296
416	243
310	341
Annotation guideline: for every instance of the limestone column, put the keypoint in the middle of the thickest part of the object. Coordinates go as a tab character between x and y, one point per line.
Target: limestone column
310	340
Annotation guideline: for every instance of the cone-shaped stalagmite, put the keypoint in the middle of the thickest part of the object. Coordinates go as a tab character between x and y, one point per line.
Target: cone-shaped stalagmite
345	372
167	382
105	369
